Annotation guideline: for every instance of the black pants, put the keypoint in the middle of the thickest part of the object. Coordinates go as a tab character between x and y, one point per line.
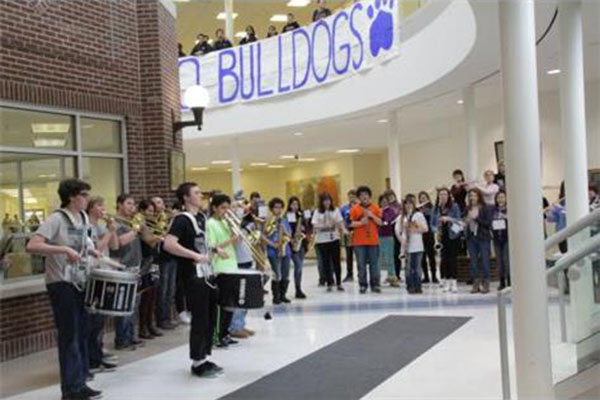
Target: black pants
180	293
449	257
349	261
397	260
202	301
330	260
95	340
428	255
224	322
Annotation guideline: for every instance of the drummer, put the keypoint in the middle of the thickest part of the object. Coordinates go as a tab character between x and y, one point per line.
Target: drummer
186	241
219	235
104	237
61	240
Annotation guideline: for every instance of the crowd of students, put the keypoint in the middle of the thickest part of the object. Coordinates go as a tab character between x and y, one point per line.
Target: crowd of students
205	45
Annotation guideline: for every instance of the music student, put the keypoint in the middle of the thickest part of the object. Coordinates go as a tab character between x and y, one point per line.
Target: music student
397	206
458	190
345	211
104	237
488	188
366	219
327	223
386	240
478	224
299	226
186	241
446	223
426	208
63	240
414	225
219	235
500	238
278	235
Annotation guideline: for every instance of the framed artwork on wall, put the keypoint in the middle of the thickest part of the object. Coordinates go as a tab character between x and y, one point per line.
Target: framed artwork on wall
499	149
176	168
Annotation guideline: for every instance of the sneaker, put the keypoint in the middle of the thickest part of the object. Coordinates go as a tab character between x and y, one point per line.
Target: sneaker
185	317
348	278
146	335
239	334
91	393
363	290
125	347
426	280
300	294
329	288
214	367
203	371
376	289
222	344
75	396
138	343
103	367
435	281
250	332
340	288
109	357
229	340
155	332
166	326
454	286
268	316
89	377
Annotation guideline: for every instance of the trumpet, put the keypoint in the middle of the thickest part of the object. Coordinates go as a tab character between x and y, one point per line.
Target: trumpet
251	240
135	222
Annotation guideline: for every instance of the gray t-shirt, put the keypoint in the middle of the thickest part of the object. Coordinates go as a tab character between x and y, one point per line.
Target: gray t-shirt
60	231
129	255
97	233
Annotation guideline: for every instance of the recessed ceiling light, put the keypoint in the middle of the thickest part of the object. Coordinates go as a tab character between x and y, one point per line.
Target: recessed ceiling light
287	157
342	151
298	133
258	164
240	34
381	121
279	18
199	168
276	166
240	170
298	3
217	162
553	71
460	102
222	15
309	159
47	176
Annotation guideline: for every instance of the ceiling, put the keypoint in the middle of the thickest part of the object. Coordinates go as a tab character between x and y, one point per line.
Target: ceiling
367	134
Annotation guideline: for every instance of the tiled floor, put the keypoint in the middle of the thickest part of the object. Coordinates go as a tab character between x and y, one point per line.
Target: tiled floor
465	365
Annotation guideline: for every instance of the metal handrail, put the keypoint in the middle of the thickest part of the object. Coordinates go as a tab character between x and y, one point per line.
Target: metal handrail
570	230
589	247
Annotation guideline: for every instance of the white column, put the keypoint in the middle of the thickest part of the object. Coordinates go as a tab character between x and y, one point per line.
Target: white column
229	32
394	153
572	105
522	136
471	133
236	180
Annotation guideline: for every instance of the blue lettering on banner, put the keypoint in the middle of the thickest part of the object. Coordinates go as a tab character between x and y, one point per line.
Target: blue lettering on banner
352	40
345	46
224	72
248	95
281	88
296	33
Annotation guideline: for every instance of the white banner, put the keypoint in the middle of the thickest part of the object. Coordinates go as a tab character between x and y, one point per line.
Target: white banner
348	42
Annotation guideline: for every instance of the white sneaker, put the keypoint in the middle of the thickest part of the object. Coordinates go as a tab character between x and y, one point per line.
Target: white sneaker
442	283
454	286
446	286
185	317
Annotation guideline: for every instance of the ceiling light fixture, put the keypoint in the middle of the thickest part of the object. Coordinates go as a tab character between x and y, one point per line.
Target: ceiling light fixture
298	3
553	71
221	162
239	170
223	16
347	151
199	168
382	121
276	166
287	157
240	34
279	18
258	164
298	133
309	159
460	102
196	98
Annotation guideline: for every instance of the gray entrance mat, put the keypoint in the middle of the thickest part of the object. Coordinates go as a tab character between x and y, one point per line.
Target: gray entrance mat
354	365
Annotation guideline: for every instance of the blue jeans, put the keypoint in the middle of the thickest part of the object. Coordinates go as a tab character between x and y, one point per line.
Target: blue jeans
280	267
414	270
386	255
168	281
125	326
72	323
298	260
96	322
368	255
238	321
479	258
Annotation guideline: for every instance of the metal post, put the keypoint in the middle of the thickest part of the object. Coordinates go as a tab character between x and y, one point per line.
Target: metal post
471	132
561	306
394	153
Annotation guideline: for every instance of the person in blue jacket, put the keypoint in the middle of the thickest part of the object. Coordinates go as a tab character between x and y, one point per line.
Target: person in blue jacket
478	223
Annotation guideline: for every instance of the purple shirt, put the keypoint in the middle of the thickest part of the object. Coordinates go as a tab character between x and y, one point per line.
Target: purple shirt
389	214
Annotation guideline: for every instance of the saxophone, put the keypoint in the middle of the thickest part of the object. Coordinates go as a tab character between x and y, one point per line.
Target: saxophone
299	237
284	239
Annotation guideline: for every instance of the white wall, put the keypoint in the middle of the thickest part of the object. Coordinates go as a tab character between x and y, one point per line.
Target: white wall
426	164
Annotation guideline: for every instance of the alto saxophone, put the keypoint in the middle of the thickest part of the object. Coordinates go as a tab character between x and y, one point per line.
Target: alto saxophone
299	237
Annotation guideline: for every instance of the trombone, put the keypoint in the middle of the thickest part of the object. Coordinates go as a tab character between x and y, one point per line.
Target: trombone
251	240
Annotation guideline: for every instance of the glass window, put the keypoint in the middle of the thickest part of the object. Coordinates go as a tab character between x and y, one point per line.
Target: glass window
34	129
100	135
106	177
9	195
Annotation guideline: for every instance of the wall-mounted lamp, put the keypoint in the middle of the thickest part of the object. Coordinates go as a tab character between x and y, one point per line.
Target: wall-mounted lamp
196	98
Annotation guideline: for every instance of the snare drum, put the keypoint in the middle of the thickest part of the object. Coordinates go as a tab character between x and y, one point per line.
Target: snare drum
110	292
241	289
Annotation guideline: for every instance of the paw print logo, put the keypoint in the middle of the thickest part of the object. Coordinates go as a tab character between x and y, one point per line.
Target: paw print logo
381	34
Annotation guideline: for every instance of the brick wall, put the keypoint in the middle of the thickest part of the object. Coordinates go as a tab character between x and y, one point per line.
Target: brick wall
103	56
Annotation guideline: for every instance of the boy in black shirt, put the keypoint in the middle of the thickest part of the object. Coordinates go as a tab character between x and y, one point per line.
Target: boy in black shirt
321	12
186	241
291	24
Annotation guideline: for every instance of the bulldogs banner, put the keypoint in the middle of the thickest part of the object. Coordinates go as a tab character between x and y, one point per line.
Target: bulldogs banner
348	42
